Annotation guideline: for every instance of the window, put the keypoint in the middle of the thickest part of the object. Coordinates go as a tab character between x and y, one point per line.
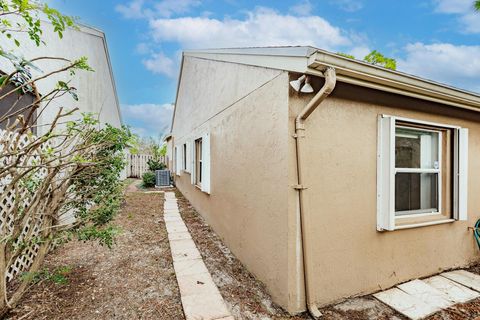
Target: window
198	162
177	161
417	170
184	167
421	173
200	170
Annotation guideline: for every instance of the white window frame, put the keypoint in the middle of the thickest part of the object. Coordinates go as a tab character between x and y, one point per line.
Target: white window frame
386	216
205	185
177	161
423	212
184	156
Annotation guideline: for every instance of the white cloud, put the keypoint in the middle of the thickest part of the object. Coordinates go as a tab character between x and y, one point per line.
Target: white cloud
303	8
467	17
262	27
159	63
148	119
168	8
360	52
453	6
133	10
138	9
349	5
444	62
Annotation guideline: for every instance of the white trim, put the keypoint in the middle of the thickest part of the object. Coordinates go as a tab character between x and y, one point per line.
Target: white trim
206	162
424	224
416	170
462	174
385	173
416	121
420	213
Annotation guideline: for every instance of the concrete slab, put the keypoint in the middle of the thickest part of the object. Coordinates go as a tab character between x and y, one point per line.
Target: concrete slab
426	293
187	254
175	228
201	299
179	236
172	214
182	244
177	223
171	211
172	218
455	291
404	303
189	267
468	279
205	307
196	284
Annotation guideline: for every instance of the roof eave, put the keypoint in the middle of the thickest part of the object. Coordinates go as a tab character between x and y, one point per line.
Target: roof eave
367	75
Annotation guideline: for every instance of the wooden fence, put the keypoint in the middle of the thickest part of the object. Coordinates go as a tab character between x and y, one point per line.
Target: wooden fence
137	164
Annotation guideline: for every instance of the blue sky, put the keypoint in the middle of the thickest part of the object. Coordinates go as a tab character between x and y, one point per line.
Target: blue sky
436	39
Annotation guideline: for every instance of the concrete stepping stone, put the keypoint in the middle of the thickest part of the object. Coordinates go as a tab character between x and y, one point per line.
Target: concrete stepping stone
171	228
468	279
196	307
417	299
406	304
200	296
456	292
426	293
189	267
179	236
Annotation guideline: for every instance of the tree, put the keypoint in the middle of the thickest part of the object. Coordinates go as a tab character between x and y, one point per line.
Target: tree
375	58
346	55
379	59
476	5
59	185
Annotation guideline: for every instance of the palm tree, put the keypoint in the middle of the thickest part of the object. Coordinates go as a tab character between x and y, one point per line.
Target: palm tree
476	5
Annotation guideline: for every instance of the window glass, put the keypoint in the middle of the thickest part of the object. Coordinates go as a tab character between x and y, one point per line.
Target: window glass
416	193
416	148
417	170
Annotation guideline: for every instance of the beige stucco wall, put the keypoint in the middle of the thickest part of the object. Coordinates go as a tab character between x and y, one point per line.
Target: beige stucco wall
96	90
349	255
249	112
245	110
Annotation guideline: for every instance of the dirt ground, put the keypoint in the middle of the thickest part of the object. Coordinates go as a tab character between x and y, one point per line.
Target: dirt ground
136	279
133	280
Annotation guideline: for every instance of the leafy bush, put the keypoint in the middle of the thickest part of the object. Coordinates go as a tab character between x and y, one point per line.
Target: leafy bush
155	164
148	179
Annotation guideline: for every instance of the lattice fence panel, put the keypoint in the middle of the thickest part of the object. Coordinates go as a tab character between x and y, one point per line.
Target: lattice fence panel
8	198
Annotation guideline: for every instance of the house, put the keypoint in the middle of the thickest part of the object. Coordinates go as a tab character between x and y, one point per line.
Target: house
365	180
96	90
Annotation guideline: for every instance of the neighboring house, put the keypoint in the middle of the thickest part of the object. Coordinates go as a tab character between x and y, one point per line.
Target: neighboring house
379	182
96	90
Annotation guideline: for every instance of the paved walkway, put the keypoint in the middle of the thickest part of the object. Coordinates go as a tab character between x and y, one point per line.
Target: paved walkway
417	299
201	299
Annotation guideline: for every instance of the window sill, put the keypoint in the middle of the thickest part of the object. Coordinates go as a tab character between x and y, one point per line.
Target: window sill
424	224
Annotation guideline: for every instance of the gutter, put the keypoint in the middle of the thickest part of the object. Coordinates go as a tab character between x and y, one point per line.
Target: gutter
330	82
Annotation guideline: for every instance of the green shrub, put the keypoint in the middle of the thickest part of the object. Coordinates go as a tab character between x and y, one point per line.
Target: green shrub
148	179
155	164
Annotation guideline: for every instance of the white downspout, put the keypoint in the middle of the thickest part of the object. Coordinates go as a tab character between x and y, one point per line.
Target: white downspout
330	82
